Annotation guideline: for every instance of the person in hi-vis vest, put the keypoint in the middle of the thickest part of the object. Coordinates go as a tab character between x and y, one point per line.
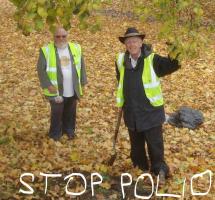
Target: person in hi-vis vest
140	97
62	74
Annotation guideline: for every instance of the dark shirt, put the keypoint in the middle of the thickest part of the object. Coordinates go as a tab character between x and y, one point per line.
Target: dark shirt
139	114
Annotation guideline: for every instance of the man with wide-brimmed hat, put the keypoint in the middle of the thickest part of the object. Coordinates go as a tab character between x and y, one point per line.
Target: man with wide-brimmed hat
139	95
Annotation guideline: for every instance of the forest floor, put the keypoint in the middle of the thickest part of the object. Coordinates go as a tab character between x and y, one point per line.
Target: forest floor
24	115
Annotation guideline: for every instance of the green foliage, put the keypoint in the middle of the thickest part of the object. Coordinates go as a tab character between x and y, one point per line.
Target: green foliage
4	140
181	24
35	14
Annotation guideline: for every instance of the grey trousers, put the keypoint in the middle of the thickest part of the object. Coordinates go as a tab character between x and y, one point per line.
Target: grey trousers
63	117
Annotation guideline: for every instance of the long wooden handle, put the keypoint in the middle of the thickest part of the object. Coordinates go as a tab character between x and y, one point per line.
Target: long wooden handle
117	128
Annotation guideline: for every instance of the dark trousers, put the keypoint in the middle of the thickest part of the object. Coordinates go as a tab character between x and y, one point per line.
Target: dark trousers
154	139
63	117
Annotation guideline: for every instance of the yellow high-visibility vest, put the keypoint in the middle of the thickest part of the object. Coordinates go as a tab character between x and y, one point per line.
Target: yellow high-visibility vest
51	66
151	82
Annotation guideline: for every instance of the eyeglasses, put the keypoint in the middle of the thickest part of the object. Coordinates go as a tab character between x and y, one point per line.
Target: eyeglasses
60	36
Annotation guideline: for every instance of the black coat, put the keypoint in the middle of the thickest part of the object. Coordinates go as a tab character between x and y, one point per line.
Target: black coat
139	114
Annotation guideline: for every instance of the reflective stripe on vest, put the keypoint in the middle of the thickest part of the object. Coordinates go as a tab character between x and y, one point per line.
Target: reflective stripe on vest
76	52
120	65
151	83
51	66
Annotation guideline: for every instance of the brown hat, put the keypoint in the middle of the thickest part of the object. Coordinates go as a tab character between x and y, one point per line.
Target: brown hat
131	32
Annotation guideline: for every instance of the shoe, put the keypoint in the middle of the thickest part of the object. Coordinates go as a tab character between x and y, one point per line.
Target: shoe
71	136
162	177
55	137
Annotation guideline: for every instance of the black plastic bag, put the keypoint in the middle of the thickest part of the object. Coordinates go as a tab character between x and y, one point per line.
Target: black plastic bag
186	117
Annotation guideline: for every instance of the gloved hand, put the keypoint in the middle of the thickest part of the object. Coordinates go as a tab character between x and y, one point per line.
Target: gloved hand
174	52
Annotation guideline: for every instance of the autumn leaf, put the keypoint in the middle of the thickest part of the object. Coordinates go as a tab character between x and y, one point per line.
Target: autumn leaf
25	112
74	156
106	185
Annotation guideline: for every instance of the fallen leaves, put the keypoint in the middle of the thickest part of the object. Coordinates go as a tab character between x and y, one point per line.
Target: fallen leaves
24	142
74	156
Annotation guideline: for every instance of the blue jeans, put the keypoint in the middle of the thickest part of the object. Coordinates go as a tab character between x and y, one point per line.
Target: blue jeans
63	117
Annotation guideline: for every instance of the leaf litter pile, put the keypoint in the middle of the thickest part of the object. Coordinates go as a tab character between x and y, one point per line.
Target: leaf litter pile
24	115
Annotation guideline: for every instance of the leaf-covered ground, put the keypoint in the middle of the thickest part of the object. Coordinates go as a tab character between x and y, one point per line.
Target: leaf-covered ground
24	115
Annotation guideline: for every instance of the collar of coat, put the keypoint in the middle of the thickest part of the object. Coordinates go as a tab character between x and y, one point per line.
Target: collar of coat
146	50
